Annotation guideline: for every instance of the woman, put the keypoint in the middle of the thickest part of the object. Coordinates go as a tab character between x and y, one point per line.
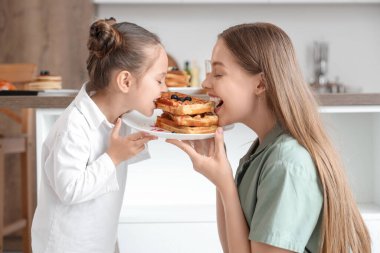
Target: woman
289	193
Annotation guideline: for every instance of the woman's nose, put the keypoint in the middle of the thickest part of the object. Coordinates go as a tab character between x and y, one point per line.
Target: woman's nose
207	82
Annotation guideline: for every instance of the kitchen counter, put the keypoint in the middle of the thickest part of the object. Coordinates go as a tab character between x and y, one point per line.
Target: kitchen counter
64	101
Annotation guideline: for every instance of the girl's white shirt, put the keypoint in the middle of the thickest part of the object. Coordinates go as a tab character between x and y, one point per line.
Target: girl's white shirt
81	190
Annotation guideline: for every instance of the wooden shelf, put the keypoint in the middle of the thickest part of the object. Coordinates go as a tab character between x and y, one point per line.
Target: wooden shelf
349	99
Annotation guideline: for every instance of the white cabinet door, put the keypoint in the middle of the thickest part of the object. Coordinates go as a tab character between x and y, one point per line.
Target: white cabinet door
169	238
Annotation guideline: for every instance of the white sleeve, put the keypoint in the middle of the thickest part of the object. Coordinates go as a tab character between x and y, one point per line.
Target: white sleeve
70	174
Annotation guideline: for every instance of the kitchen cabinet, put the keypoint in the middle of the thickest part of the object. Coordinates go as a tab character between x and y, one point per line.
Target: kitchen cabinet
170	208
356	134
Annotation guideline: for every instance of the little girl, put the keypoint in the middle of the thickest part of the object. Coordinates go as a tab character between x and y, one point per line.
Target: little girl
85	156
289	193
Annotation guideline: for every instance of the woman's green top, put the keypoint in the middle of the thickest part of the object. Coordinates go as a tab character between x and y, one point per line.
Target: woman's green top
280	193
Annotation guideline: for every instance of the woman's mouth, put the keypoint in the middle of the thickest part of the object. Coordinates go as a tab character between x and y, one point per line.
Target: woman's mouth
218	103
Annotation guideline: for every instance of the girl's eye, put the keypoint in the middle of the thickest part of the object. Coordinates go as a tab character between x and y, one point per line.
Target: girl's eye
218	76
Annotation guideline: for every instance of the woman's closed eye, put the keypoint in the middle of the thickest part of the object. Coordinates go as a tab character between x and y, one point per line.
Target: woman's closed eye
217	73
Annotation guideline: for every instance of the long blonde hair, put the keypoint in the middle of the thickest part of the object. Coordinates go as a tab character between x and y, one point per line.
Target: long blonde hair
265	48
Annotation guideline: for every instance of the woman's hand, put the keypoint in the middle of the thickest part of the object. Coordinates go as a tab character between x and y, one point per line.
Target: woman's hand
122	148
208	157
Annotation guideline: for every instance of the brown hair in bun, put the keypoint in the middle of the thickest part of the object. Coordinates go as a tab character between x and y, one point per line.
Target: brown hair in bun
103	37
114	45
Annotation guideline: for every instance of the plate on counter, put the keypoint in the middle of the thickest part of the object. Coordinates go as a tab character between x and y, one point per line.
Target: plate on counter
58	92
142	123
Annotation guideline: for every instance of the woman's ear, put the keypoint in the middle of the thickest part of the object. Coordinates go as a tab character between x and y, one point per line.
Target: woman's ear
124	80
261	85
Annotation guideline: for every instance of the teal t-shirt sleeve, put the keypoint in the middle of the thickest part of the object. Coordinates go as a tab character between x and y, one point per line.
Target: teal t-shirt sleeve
289	202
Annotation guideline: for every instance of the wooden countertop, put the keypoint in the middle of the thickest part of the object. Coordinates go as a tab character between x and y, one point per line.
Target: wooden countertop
348	99
35	101
64	101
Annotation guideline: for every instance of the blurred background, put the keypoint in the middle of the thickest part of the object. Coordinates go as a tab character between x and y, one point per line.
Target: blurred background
337	44
53	34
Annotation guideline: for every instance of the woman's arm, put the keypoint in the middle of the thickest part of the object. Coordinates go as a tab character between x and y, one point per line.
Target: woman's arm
233	229
232	226
221	221
262	247
235	224
236	227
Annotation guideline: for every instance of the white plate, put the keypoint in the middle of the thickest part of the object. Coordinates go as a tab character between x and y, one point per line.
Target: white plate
58	92
188	90
146	124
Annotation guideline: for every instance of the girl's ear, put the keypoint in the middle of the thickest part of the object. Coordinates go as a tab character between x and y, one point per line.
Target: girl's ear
124	80
261	85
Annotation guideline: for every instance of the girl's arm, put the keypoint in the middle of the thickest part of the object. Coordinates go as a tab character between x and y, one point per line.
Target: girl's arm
74	178
221	222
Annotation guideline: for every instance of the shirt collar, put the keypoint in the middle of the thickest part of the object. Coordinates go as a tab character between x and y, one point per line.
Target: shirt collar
269	139
88	108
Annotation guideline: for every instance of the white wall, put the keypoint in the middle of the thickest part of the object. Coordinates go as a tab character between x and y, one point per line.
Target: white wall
189	32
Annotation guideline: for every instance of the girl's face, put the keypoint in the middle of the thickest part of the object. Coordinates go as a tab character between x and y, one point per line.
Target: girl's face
150	85
232	88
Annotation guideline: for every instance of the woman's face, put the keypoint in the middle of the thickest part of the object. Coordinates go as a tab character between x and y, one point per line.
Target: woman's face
232	88
150	85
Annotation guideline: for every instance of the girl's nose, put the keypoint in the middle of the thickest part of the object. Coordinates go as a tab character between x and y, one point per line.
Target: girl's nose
163	88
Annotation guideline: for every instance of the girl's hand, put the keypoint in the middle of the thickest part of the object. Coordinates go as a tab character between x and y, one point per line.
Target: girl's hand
122	148
208	157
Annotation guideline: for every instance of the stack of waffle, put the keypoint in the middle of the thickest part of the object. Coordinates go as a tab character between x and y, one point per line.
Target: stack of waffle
186	114
46	82
177	78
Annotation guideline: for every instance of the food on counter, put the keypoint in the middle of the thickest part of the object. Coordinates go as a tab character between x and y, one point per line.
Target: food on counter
5	85
172	63
177	78
186	114
45	81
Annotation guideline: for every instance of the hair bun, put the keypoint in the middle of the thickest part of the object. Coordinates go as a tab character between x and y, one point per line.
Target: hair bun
103	37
